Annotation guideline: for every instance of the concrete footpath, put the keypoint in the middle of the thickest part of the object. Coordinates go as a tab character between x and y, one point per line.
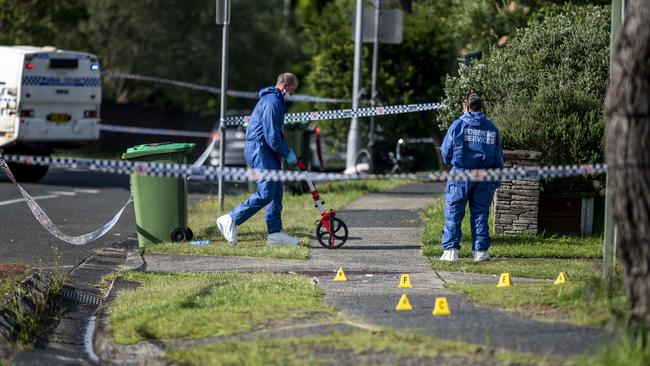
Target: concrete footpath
384	242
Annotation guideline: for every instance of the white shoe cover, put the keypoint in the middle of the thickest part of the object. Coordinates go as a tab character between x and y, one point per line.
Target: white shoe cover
481	256
282	238
228	228
450	255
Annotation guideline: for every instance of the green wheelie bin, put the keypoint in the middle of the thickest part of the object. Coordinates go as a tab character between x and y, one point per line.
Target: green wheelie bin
160	203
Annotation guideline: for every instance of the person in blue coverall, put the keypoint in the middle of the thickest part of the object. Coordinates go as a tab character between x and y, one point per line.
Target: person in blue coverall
265	149
472	142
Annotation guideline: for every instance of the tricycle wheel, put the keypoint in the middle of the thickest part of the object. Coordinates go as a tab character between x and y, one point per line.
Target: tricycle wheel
339	234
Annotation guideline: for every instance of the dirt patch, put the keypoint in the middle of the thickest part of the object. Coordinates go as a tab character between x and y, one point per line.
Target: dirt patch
8	270
544	313
11	274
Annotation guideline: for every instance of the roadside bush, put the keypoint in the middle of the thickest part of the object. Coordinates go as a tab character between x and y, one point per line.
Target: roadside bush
544	90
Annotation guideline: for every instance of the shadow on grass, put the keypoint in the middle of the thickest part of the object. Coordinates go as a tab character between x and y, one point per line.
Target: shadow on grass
192	301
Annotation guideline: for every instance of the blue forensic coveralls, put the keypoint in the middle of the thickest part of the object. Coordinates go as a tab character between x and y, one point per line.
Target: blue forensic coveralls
472	142
265	147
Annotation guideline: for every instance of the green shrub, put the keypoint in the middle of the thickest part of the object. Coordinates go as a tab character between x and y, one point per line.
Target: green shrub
545	89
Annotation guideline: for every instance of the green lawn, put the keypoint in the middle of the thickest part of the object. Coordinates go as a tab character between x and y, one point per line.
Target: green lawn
541	268
362	348
299	218
533	256
578	302
582	300
196	305
624	350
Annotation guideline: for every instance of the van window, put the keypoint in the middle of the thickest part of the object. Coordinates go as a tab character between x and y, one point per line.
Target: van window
64	63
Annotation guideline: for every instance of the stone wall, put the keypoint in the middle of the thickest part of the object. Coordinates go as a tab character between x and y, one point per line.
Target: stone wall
516	202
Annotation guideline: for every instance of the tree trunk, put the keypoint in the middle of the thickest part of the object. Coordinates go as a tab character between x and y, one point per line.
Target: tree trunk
628	156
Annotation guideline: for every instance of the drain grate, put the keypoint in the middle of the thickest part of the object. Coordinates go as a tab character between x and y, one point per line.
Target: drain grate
74	295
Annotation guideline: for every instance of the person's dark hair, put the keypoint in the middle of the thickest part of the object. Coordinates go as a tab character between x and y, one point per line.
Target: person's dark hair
474	102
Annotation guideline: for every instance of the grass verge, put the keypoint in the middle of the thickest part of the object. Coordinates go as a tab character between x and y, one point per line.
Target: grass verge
299	219
533	256
625	350
361	348
191	306
542	268
11	274
40	290
588	302
584	300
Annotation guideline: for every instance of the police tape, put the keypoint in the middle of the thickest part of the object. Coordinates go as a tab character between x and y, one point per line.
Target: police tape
213	90
241	174
344	113
232	174
153	131
47	223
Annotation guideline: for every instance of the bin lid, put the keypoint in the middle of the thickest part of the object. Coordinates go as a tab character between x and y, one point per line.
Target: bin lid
157	148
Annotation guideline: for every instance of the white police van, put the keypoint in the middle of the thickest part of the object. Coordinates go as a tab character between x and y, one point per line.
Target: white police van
49	99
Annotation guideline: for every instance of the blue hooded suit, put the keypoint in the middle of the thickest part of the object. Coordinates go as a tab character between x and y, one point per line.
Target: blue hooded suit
265	148
472	142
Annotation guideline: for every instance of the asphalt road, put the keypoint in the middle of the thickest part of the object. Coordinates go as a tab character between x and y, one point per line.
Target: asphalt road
78	202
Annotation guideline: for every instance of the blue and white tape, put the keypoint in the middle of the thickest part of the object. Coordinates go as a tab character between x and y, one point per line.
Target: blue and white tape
153	131
241	174
289	119
213	90
344	113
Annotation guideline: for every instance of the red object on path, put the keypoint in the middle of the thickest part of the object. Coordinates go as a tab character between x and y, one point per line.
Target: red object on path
331	231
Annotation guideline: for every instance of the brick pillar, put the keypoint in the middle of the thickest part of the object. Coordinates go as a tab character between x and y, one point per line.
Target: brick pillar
516	202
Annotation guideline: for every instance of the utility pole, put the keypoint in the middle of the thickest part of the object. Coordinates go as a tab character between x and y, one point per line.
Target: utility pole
353	135
375	61
609	241
223	18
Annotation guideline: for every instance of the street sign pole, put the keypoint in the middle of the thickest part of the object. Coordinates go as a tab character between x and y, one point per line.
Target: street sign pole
223	17
375	61
353	134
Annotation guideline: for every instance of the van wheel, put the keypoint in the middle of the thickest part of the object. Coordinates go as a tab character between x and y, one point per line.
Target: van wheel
28	173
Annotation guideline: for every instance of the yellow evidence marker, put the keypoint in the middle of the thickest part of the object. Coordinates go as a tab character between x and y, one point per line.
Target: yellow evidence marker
340	275
405	281
441	307
505	280
560	279
404	304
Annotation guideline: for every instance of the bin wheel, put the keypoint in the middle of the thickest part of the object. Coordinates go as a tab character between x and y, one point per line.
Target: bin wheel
191	234
180	234
339	233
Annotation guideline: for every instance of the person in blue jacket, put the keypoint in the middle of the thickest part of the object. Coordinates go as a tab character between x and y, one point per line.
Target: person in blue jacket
472	142
265	149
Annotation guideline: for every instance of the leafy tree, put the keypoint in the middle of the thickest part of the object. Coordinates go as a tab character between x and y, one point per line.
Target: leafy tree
545	89
181	41
411	72
481	24
38	22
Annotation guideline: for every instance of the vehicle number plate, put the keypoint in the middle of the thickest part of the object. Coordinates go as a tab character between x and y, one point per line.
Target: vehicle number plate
58	117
